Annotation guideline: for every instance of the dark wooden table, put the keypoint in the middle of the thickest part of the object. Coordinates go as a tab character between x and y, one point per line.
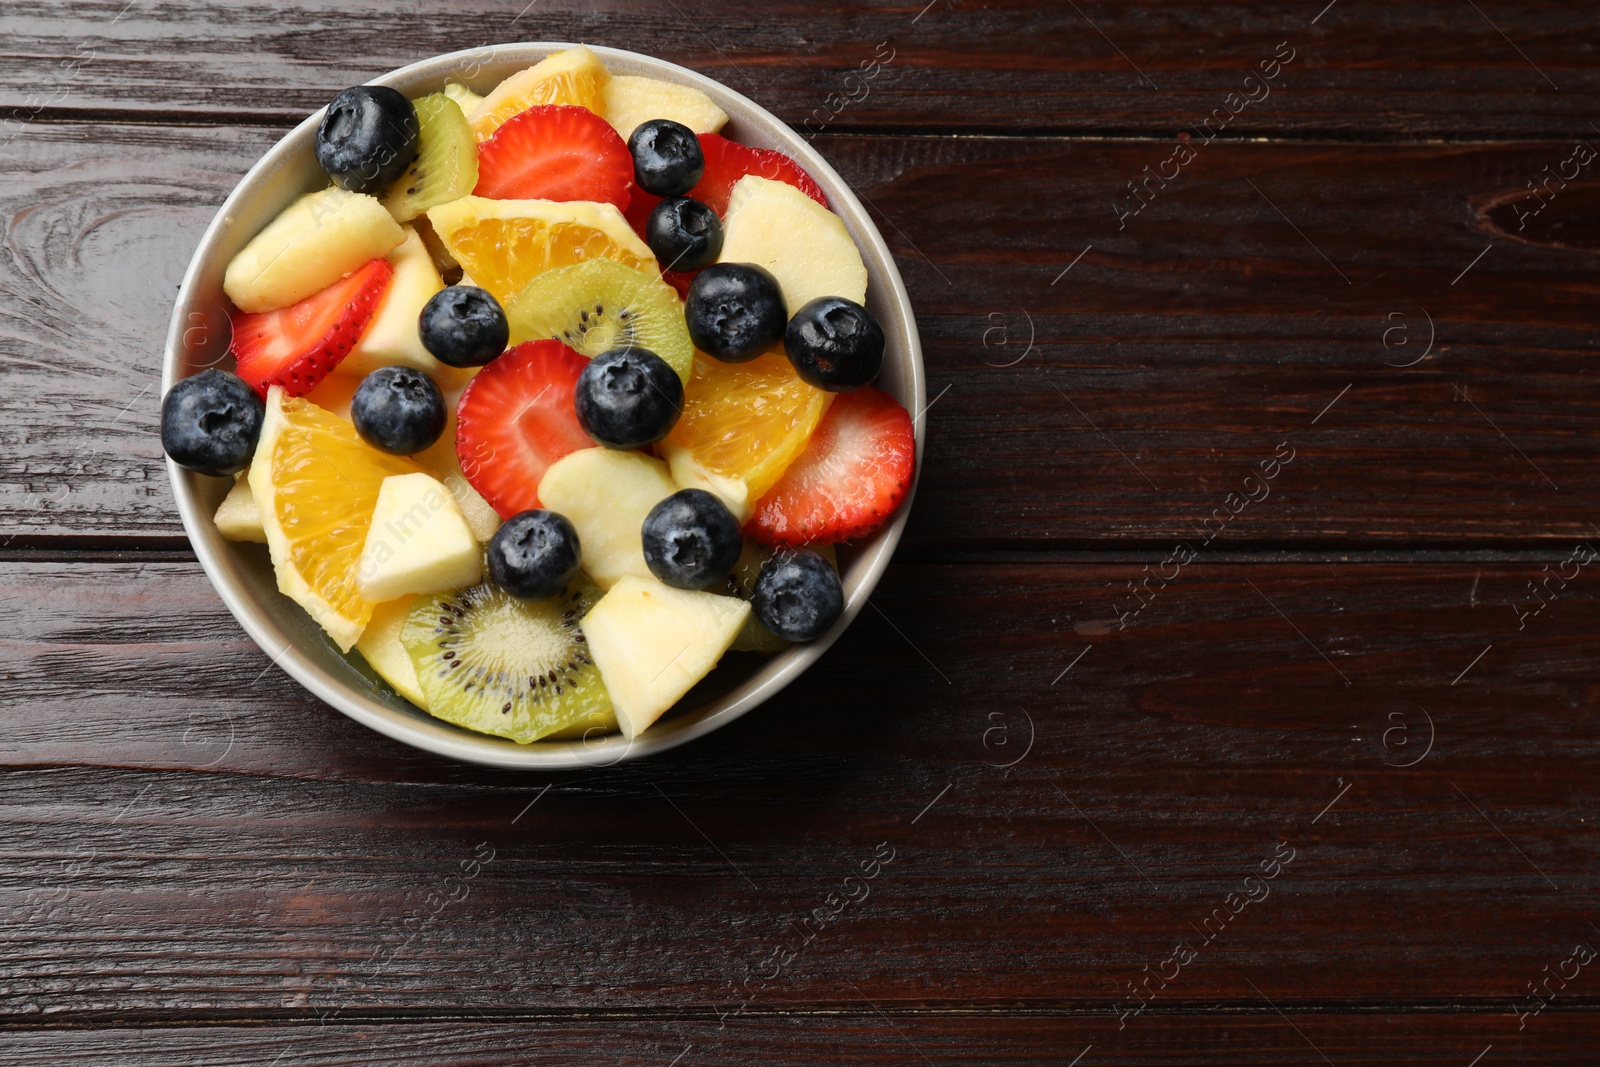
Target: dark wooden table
1232	698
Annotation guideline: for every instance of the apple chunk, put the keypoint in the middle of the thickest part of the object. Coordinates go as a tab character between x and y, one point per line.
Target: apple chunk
606	495
318	239
238	518
380	645
418	541
652	643
804	245
393	337
631	100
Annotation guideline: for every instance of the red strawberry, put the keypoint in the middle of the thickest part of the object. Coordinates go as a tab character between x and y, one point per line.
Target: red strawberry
516	417
639	208
728	161
679	280
555	152
853	474
297	346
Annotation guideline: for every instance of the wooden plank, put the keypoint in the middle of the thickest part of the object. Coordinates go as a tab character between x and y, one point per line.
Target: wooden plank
1413	69
1226	1040
189	835
1095	380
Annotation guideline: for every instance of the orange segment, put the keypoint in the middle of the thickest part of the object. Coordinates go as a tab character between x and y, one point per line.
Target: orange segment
743	422
316	483
504	244
575	77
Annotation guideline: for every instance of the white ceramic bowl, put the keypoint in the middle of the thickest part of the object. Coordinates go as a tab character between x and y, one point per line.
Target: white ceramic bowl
198	338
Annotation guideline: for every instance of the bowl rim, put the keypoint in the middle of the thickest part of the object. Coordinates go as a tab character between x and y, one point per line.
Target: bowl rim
436	736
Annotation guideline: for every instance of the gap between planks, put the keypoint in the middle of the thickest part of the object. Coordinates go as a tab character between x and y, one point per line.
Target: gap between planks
286	121
47	552
352	1018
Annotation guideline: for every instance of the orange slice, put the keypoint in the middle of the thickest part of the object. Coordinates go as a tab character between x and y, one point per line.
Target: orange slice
575	77
742	425
316	483
504	244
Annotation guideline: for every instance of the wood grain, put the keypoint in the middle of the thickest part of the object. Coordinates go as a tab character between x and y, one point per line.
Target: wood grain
189	835
1411	69
1092	385
1235	1039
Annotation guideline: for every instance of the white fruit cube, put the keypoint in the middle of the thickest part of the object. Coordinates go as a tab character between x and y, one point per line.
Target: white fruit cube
652	643
606	495
804	245
380	645
238	518
418	541
392	337
631	100
317	240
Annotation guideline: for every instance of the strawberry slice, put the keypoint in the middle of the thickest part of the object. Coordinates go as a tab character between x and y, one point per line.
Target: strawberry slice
728	161
516	417
297	346
853	474
555	152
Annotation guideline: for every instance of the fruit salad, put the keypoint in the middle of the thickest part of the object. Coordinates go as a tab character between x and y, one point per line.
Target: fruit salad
551	399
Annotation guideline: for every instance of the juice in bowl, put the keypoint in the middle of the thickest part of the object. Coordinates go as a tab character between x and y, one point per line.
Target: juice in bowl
548	406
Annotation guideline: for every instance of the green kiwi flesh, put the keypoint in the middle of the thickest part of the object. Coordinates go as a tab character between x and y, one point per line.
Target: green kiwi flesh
446	167
492	663
754	636
600	304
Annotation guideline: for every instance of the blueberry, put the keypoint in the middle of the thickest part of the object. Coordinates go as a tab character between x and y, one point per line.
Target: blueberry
398	410
798	595
667	159
535	554
464	327
835	344
691	540
628	398
683	233
210	423
368	138
735	311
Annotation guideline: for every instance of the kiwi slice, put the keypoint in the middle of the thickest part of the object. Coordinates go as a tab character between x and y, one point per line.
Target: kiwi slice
754	636
514	668
600	304
446	167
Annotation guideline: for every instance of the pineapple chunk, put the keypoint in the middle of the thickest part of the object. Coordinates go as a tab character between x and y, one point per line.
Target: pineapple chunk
380	645
392	338
803	244
632	100
238	518
652	643
574	77
418	542
606	495
318	239
465	98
